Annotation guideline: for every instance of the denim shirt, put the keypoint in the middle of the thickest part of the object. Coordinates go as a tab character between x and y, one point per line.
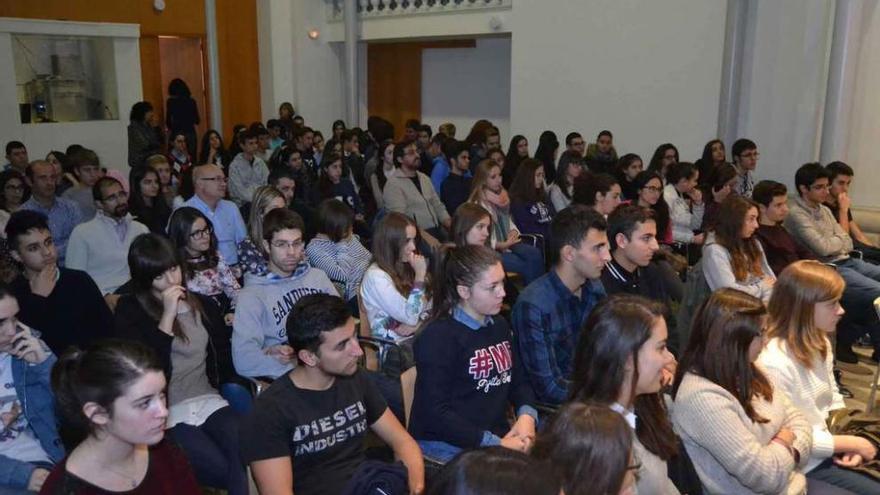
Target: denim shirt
38	406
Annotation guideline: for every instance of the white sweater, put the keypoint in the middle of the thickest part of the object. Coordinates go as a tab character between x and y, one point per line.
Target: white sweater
95	248
719	272
387	308
684	219
812	390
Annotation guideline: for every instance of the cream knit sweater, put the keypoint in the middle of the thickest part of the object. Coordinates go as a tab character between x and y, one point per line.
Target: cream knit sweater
733	454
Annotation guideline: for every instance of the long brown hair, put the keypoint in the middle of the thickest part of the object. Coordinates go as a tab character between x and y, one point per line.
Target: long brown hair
388	242
522	189
745	254
718	350
586	442
798	289
612	335
459	266
466	216
481	176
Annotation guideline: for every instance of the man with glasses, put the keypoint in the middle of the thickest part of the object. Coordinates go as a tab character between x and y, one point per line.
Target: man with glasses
814	226
259	337
99	247
62	213
575	143
210	189
745	160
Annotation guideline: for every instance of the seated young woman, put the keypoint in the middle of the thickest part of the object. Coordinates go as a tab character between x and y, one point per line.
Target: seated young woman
664	156
468	373
589	442
196	358
529	204
716	189
685	202
733	256
803	312
394	290
168	183
650	195
207	273
251	256
338	251
742	435
112	398
487	191
148	204
628	168
621	362
600	192
570	167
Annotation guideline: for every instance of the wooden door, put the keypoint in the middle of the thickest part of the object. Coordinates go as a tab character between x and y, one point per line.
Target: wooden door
184	58
394	82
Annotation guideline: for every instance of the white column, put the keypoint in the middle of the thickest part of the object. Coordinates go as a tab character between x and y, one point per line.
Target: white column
731	73
352	109
275	40
213	65
845	43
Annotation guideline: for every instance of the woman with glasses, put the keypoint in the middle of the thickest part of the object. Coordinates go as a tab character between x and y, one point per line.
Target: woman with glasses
195	356
650	195
207	273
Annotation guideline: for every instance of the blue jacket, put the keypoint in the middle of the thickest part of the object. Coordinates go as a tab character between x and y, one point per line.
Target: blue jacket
38	405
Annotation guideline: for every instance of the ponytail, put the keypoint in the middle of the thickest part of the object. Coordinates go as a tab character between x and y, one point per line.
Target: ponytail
100	374
459	266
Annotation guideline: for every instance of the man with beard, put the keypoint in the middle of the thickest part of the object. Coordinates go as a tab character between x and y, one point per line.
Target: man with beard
99	247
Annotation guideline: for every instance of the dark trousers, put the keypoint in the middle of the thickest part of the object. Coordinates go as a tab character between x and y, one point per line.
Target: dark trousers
212	450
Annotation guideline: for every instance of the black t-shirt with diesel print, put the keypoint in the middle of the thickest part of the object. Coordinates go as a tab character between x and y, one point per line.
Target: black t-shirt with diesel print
321	431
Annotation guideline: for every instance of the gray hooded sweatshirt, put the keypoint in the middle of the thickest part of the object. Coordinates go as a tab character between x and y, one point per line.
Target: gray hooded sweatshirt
261	316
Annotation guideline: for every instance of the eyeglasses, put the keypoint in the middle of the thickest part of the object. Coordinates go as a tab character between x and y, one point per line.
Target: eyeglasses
120	196
201	233
298	244
215	179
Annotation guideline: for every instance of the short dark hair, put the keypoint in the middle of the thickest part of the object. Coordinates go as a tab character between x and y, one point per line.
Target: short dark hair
605	132
439	139
766	190
349	134
14	145
281	219
334	219
742	145
808	174
452	147
313	315
571	137
23	221
98	188
839	168
273	124
570	226
399	150
139	111
625	219
278	173
426	128
680	170
413	124
83	157
246	134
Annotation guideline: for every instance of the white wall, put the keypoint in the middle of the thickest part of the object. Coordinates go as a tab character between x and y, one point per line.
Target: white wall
463	85
648	71
785	76
108	138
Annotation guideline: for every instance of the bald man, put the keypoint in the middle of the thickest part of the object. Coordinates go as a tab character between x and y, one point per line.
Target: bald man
209	182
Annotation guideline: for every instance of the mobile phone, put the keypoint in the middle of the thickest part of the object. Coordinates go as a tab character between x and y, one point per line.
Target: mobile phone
20	334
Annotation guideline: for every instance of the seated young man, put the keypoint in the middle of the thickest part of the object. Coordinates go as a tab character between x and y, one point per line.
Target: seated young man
839	204
780	248
63	215
29	443
632	237
306	432
87	169
99	247
259	337
64	304
814	226
549	313
284	181
247	171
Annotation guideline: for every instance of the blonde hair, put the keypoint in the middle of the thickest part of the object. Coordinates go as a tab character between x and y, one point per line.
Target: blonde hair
801	286
156	159
481	176
263	195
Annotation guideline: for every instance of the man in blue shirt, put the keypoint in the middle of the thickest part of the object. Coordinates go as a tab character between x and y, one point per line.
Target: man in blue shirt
549	313
63	214
210	187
